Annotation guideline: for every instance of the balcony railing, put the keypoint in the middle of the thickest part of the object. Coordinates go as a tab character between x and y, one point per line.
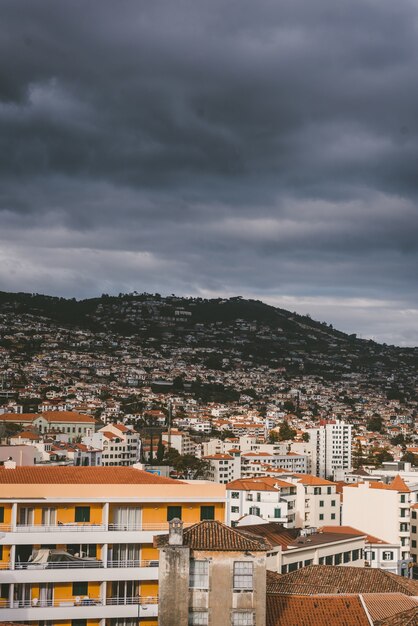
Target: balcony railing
132	563
70	527
81	564
78	601
78	564
85	527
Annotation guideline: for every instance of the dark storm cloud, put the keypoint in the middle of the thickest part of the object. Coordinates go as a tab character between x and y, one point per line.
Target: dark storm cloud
268	148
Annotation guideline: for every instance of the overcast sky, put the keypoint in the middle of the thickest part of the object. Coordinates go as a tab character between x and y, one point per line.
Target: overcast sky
223	147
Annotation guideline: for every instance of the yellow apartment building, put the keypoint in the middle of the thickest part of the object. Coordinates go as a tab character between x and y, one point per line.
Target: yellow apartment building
76	543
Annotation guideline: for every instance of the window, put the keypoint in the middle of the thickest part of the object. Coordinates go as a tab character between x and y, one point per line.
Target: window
338	559
242	618
347	557
403	498
1	553
321	516
387	555
1	514
321	503
321	560
328	559
254	510
173	512
235	494
356	555
234	509
413	530
198	618
207	512
414	543
414	515
332	502
80	589
277	513
243	575
199	574
329	490
82	514
307	562
79	622
317	491
332	515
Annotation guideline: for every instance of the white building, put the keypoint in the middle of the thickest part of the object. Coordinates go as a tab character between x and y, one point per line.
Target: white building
267	498
330	446
317	501
223	468
119	444
381	510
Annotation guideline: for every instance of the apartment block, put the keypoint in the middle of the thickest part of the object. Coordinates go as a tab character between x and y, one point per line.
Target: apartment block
330	446
264	497
119	444
76	543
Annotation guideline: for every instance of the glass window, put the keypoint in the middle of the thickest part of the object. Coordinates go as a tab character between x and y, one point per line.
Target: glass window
254	510
243	575
329	559
356	555
79	622
321	516
332	515
387	555
235	494
207	512
82	514
242	618
199	574
80	588
1	514
338	559
347	557
329	489
234	509
173	512
321	503
277	513
332	502
198	618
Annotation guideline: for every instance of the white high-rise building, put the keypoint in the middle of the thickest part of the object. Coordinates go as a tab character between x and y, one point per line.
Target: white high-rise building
330	448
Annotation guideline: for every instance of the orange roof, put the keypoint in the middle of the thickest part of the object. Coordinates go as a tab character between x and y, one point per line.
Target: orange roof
258	483
353	531
121	427
399	484
215	457
315	610
309	479
49	416
65	475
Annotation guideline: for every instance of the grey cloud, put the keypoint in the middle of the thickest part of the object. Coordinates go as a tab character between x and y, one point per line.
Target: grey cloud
265	148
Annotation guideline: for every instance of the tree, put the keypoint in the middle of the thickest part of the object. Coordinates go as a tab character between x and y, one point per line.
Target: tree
306	437
375	424
410	457
286	432
160	449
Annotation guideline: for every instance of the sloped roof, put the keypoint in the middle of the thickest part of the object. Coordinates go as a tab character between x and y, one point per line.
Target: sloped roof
315	611
353	531
384	605
37	475
406	618
259	483
213	535
277	535
330	579
399	484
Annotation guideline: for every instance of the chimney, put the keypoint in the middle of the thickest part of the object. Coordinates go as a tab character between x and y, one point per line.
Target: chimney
175	532
10	464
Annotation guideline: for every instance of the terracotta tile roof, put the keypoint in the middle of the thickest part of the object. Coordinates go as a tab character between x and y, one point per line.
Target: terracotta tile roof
219	456
309	479
289	538
353	531
259	483
315	611
406	618
121	427
213	535
399	484
49	416
384	605
330	579
45	475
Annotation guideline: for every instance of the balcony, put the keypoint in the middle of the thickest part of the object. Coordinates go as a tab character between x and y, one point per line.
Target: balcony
79	527
78	608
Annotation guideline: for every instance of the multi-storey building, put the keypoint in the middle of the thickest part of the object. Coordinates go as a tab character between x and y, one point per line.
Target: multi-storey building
119	444
73	424
261	497
383	510
211	575
317	501
223	467
330	446
76	543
